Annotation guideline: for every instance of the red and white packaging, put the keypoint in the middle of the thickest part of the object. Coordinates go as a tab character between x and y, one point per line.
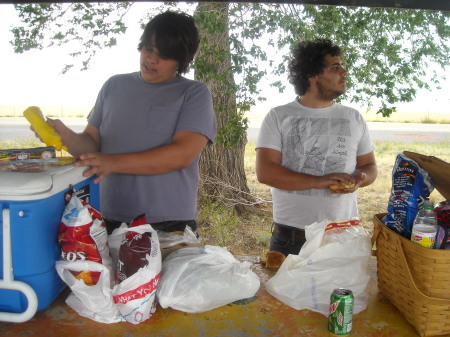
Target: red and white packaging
82	236
82	239
133	300
135	295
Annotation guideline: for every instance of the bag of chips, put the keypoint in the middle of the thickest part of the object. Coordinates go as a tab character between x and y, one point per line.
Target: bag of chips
138	256
82	236
411	185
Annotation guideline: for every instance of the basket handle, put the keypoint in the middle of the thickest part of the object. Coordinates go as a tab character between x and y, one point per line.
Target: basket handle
375	235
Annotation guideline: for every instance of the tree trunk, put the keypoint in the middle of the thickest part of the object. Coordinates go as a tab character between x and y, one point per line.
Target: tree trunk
221	167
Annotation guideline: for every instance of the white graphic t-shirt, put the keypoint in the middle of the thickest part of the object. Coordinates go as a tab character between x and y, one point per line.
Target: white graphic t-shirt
316	142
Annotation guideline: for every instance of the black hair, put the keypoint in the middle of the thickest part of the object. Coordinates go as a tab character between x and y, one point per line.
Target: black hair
308	60
174	35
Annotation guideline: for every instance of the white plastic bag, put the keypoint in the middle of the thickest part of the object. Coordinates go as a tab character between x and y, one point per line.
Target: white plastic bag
335	255
133	300
94	302
198	279
135	297
170	239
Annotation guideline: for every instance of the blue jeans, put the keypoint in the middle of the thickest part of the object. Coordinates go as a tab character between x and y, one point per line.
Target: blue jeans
287	243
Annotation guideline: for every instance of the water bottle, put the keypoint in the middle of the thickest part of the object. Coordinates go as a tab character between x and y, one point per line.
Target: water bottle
425	226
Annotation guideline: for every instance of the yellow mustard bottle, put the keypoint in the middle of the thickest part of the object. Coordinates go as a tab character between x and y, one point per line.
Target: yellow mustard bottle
35	117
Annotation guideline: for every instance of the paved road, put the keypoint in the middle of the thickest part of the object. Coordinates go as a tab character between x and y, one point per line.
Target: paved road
395	132
18	128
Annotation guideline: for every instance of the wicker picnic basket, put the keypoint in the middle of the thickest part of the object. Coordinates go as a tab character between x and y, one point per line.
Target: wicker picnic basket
416	279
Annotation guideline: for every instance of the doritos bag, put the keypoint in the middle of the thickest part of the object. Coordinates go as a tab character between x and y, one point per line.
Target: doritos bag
82	236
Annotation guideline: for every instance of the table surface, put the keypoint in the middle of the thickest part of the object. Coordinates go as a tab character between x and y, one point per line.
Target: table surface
262	315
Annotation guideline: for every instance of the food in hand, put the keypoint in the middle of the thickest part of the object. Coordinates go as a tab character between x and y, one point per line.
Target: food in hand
34	116
341	187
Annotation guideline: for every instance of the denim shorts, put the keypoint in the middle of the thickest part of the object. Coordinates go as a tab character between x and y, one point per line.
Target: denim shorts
285	244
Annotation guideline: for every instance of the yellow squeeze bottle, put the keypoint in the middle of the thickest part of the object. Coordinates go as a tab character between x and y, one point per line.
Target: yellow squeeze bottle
34	116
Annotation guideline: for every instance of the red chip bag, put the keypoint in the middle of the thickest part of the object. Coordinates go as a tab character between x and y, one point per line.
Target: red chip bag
138	221
83	236
133	251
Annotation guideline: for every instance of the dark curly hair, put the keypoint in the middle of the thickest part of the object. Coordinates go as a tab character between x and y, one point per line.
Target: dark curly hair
308	60
175	36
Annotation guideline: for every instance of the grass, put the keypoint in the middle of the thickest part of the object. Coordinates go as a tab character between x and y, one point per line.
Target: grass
249	233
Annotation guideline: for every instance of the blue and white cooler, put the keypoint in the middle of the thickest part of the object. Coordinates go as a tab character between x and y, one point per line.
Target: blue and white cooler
31	205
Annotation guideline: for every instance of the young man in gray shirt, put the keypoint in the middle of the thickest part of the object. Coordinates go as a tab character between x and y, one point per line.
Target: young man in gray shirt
147	130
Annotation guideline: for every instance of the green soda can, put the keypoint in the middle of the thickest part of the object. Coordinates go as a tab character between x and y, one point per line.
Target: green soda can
341	311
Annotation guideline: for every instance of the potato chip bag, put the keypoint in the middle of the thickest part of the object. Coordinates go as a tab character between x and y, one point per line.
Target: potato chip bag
411	185
82	236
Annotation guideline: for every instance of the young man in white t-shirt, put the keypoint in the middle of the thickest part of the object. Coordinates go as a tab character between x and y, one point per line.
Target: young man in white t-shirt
313	152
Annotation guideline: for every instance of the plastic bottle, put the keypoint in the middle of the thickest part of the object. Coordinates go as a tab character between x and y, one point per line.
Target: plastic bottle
34	116
425	226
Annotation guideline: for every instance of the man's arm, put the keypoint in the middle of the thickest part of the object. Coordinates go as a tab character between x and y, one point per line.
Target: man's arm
77	143
366	169
269	171
185	147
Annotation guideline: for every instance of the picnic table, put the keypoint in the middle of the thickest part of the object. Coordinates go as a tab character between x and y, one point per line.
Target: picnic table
262	315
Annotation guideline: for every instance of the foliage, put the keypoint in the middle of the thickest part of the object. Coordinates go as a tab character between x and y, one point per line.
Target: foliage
214	66
230	134
92	26
390	53
219	221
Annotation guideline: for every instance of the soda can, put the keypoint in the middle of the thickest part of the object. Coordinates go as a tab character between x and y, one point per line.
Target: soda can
341	311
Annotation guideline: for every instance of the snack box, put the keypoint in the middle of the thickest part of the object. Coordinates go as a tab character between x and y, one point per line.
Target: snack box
31	206
45	152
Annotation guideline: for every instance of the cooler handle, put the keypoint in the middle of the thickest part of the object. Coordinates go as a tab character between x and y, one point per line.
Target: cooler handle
8	279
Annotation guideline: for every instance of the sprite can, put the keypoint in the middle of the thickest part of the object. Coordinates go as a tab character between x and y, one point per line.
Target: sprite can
341	311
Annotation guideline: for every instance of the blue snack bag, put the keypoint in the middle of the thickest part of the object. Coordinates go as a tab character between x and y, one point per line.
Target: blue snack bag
411	185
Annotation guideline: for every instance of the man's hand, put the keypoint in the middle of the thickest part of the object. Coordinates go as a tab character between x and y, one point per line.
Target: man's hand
99	164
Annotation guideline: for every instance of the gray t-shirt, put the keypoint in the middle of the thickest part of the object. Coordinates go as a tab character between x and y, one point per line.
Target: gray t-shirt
134	115
316	142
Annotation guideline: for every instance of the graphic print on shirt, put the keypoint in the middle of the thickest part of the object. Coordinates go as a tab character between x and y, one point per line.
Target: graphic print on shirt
316	146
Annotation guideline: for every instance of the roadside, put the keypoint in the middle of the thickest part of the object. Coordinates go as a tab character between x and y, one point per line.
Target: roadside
387	131
16	127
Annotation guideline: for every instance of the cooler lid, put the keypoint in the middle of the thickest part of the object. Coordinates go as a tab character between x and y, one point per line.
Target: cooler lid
24	183
28	183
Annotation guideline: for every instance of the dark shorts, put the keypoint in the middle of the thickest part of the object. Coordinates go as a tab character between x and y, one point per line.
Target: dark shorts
166	226
286	239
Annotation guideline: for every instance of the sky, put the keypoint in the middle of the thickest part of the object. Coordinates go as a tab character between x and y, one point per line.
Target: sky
34	78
